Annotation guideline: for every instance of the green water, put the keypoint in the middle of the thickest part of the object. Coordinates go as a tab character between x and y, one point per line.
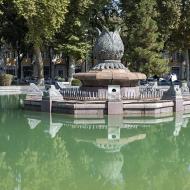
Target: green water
39	151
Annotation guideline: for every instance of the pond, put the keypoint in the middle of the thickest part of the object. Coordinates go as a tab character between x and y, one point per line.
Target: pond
40	151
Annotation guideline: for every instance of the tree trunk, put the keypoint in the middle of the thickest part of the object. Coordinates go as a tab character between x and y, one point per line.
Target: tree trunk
187	63
19	65
40	65
51	64
71	70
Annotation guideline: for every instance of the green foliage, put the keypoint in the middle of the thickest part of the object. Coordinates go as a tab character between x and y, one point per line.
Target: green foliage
60	79
43	18
169	16
76	82
180	37
6	79
13	30
155	66
72	38
149	26
13	27
108	16
142	38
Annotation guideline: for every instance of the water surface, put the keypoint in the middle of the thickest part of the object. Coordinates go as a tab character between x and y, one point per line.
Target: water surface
39	151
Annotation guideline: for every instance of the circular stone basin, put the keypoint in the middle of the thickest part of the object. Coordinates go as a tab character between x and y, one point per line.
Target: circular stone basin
122	77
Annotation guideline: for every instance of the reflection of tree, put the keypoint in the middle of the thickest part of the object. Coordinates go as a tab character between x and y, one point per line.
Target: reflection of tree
46	172
6	174
10	102
32	160
159	162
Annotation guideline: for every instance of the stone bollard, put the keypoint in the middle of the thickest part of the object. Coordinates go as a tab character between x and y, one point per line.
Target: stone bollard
52	94
115	105
174	93
178	99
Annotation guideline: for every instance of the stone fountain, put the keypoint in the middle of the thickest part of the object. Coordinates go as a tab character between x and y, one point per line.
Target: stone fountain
109	70
109	88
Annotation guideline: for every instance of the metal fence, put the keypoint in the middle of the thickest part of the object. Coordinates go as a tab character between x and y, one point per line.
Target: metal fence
144	93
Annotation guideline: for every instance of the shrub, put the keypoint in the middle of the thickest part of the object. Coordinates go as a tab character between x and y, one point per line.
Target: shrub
60	79
76	82
6	79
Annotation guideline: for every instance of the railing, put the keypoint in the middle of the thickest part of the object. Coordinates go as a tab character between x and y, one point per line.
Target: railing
151	93
143	93
77	94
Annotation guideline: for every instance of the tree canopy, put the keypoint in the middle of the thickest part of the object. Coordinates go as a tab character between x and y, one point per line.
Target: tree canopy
149	27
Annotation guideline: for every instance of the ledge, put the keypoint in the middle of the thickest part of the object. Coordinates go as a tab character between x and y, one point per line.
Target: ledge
148	105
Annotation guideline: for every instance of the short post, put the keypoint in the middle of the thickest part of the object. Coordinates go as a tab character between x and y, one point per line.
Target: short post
46	104
115	105
174	93
178	99
52	94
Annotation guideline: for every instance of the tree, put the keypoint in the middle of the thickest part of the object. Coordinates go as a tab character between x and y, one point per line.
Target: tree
72	38
168	19
13	31
179	38
143	42
108	16
43	19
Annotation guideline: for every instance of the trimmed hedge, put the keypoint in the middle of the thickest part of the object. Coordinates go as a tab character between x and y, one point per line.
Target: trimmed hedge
6	79
76	82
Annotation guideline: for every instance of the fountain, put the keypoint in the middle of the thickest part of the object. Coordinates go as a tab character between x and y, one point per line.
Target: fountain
109	88
109	70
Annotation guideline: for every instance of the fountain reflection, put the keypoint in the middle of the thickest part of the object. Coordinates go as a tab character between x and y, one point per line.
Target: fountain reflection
181	121
89	153
113	142
112	123
107	137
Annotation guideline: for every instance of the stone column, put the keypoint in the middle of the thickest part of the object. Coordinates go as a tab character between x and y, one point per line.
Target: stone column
178	99
115	105
48	97
174	94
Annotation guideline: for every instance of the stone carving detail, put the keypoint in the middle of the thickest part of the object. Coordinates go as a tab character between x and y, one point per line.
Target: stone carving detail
112	65
185	89
52	93
34	90
174	92
108	50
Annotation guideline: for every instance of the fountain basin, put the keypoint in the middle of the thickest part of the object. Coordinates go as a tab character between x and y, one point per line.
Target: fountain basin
122	77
